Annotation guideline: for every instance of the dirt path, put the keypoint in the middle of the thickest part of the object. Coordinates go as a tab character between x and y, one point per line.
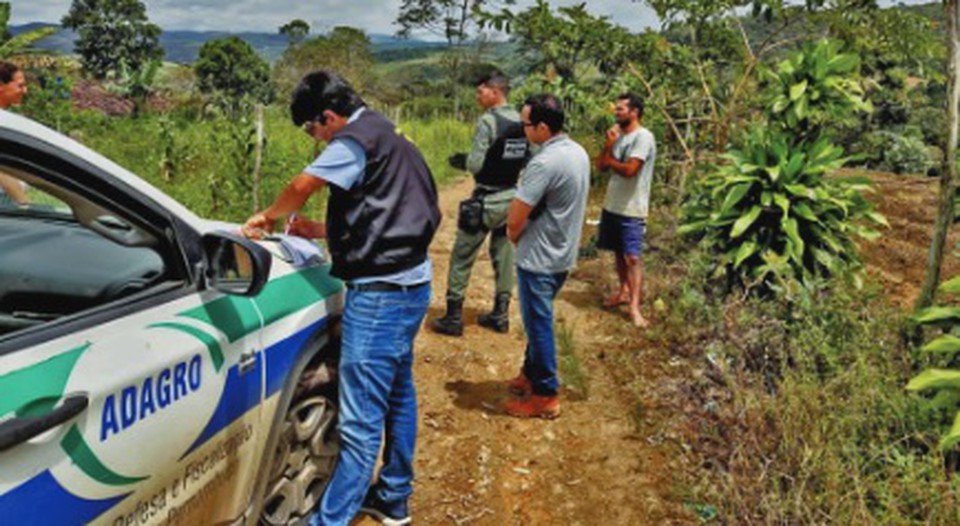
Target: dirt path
477	466
605	461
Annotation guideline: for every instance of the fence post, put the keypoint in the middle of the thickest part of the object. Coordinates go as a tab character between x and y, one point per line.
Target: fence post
258	159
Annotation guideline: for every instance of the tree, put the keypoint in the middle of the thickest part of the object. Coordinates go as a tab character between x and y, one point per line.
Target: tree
295	31
230	68
345	49
567	41
112	35
948	177
454	20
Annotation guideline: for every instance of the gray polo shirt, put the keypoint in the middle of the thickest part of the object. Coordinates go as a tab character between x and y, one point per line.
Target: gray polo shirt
559	175
630	196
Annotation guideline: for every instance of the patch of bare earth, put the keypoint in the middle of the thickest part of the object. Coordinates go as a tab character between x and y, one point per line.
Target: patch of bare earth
603	461
898	259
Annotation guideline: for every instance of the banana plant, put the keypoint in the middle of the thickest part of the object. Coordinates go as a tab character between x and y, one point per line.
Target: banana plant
946	382
22	42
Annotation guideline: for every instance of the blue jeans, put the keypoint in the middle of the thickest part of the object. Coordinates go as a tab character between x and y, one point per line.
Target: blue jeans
376	395
537	292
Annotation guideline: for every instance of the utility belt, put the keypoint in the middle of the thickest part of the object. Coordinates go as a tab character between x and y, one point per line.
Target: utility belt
470	218
483	190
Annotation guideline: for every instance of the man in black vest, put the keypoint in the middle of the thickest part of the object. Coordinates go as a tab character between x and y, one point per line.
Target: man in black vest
498	154
381	217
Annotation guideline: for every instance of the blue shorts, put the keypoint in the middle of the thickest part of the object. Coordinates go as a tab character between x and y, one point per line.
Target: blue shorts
622	234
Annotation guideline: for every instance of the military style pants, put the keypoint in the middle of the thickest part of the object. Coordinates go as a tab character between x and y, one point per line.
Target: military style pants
466	247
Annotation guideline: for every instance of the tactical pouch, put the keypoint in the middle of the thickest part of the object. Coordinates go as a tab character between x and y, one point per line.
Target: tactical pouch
470	219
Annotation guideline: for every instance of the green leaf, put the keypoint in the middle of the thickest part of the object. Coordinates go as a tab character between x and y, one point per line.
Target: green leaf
935	379
783	202
746	250
691	228
773	172
793	233
734	196
938	315
843	63
780	104
868	234
803	210
797	90
878	218
800	190
794	165
745	221
953	436
951	286
824	258
800	109
947	344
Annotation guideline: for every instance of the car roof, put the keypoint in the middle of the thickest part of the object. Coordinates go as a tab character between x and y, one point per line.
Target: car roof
24	126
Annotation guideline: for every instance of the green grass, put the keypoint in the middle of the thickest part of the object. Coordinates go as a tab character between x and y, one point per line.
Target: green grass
799	413
213	162
575	378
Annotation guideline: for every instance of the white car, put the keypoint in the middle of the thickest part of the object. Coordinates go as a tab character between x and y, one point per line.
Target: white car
154	368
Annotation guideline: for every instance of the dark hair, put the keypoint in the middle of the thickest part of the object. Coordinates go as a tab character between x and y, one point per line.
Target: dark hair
7	71
547	109
494	79
633	101
320	91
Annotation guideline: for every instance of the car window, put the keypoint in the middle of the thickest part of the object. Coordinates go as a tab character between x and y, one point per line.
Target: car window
16	196
61	254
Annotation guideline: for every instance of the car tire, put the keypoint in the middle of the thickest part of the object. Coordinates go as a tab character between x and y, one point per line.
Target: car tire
304	458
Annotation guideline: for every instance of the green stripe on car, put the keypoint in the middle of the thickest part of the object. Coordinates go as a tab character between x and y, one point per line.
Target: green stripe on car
85	459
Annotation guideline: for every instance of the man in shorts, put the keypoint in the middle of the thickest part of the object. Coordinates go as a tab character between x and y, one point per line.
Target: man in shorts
628	155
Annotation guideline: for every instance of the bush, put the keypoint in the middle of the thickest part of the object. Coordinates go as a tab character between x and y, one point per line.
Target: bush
893	152
932	122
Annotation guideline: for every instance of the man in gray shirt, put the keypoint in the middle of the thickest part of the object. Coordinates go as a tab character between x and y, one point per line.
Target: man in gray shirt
545	221
628	156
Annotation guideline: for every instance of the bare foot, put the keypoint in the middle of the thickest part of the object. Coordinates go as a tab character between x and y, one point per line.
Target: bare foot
638	320
615	300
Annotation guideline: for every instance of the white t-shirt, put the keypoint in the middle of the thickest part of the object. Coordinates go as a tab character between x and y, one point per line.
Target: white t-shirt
630	196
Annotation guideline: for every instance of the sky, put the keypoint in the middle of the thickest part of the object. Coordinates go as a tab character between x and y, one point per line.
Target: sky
373	16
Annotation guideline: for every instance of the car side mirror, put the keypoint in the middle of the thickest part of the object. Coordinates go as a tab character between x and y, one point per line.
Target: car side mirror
234	264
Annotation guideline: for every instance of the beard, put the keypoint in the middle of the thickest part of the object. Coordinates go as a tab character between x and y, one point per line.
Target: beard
623	123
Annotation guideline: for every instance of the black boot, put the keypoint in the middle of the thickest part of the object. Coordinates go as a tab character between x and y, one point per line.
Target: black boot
499	317
452	322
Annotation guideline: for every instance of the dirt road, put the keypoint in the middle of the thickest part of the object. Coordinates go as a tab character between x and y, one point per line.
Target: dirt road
474	465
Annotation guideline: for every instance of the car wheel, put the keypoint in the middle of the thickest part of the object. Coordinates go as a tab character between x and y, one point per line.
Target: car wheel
303	462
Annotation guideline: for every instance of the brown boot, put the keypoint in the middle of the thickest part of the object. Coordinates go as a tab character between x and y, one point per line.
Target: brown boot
534	407
520	386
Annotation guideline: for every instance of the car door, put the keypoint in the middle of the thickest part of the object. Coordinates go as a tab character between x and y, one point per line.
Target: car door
128	394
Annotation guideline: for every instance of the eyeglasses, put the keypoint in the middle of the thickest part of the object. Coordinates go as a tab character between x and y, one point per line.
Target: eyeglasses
527	124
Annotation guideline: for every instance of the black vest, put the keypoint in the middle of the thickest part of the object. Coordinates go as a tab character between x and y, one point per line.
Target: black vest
506	156
386	222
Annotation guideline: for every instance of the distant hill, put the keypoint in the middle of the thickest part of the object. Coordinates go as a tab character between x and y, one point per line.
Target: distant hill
183	46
